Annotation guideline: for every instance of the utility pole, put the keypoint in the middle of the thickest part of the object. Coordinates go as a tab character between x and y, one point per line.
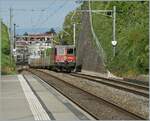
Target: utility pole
114	42
10	32
0	46
74	34
114	23
14	36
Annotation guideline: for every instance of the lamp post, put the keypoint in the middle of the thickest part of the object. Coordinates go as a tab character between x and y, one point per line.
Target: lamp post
74	34
14	37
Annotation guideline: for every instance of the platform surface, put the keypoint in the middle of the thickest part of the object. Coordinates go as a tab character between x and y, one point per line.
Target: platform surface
26	97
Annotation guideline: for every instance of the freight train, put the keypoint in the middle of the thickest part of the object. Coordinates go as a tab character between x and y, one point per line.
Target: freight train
57	58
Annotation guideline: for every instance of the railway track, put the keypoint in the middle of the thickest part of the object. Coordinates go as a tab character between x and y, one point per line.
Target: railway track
97	107
138	89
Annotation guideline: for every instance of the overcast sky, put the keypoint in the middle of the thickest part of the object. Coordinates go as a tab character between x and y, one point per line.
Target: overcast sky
36	15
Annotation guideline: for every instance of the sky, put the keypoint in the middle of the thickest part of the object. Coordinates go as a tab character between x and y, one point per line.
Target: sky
36	15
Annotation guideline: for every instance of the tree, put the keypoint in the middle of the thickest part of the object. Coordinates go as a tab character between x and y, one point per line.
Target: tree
52	30
25	34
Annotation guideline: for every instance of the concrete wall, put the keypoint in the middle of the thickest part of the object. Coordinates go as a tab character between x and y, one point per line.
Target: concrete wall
87	55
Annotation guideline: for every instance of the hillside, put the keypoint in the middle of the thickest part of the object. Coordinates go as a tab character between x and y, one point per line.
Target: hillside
87	55
132	51
7	67
131	33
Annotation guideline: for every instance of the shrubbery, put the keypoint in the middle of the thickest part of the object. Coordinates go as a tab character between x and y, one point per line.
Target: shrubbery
132	27
7	66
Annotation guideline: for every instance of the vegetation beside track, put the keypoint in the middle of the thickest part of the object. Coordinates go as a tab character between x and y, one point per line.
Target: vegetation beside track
132	27
66	35
7	66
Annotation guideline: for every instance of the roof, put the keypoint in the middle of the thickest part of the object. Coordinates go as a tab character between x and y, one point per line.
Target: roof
65	46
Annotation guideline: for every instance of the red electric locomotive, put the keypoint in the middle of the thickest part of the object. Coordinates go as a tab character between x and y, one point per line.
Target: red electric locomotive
65	57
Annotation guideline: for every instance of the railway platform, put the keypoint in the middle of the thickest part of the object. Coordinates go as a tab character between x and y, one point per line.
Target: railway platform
26	97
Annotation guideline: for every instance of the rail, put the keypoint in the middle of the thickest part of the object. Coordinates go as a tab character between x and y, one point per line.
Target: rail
85	100
120	84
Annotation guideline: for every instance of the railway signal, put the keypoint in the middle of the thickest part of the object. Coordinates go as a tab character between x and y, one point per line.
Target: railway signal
114	43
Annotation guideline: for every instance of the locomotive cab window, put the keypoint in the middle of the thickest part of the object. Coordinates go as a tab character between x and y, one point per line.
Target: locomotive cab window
70	51
60	51
74	51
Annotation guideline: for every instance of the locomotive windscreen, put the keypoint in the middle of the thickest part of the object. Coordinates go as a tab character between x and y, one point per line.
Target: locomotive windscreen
60	51
70	51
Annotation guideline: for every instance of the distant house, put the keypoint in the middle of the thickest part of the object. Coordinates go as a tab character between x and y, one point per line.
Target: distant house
46	37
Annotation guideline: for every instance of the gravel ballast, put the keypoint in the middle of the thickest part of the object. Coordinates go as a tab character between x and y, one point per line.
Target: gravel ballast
134	103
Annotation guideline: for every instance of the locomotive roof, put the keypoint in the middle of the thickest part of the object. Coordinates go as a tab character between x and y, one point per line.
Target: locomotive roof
65	46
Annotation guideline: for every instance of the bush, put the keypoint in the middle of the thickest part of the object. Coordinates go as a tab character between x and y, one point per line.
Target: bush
7	66
131	33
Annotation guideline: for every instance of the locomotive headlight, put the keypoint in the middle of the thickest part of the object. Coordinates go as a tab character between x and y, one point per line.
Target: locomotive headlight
65	57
